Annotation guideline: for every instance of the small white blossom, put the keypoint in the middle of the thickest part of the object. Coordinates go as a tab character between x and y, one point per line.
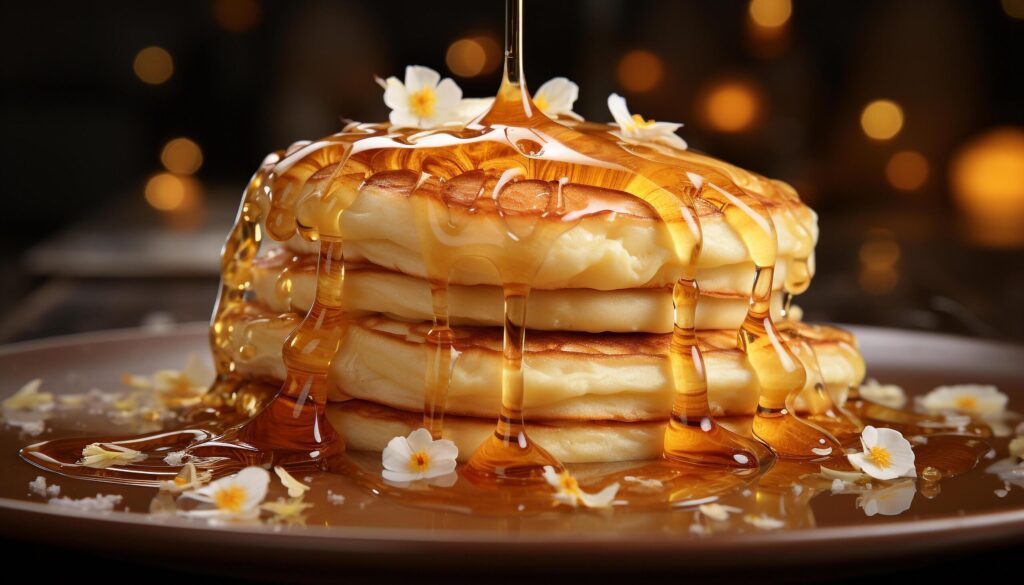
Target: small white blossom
103	455
418	456
886	455
237	497
889	395
567	490
636	127
424	100
556	97
29	398
975	399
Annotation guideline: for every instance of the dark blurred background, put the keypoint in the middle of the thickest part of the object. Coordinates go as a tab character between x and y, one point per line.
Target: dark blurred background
130	129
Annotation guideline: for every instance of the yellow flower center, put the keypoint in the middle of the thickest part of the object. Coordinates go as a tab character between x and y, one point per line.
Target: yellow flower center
180	481
966	403
569	484
420	461
423	102
639	122
542	103
230	498
880	456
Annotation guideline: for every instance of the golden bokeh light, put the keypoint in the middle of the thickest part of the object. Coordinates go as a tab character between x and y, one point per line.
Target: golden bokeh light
171	193
882	119
987	179
181	156
907	170
237	15
879	257
770	13
731	106
1014	8
466	58
640	70
153	65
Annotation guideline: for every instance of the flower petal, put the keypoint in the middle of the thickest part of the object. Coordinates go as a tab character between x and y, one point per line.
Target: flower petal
443	449
396	455
419	440
620	112
448	95
395	95
417	77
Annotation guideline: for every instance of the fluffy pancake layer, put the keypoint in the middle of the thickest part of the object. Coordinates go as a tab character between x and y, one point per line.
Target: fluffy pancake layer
615	241
569	376
285	283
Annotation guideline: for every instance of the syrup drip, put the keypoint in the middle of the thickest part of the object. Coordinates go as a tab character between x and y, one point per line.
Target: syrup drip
513	164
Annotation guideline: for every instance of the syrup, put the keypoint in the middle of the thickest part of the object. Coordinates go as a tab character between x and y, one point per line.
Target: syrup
514	162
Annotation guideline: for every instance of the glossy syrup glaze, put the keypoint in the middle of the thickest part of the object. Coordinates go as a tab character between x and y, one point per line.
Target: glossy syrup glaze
516	163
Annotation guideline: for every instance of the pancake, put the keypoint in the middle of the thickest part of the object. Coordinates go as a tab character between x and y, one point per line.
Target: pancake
285	283
368	427
569	376
616	240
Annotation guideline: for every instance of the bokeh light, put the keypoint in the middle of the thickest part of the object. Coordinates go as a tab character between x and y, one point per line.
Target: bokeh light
879	258
153	65
770	13
237	15
907	170
1014	8
171	193
182	156
640	70
466	58
882	119
987	179
731	106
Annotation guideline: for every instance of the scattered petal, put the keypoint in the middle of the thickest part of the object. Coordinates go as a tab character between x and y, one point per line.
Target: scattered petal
567	490
763	522
718	511
189	478
103	455
296	489
29	398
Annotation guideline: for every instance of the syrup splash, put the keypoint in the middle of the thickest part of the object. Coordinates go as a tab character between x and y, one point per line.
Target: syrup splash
489	165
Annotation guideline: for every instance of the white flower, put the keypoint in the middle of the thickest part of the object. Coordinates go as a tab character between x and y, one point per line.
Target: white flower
568	490
983	401
418	456
296	489
718	511
188	479
29	398
556	97
423	101
889	395
886	455
889	501
635	127
236	497
103	455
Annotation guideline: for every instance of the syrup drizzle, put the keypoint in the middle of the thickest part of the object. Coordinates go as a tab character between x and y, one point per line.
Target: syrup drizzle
513	164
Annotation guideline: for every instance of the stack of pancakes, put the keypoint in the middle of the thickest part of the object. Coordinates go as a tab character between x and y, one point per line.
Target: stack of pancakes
598	380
